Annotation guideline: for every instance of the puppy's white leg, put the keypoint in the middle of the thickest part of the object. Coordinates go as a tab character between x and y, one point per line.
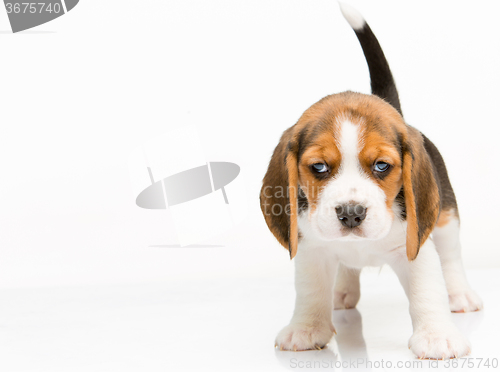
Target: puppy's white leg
434	334
346	292
311	325
445	235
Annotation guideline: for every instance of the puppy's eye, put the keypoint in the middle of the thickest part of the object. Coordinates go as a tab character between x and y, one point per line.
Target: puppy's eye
319	167
381	167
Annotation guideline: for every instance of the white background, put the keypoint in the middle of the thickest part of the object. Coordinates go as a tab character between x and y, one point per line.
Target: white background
77	95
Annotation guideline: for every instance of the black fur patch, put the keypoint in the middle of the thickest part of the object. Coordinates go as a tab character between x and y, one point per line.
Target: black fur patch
382	82
303	203
447	196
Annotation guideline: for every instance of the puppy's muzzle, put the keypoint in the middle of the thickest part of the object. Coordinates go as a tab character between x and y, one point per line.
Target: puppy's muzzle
351	215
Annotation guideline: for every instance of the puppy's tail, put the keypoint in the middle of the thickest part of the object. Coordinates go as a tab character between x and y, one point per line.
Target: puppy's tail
382	82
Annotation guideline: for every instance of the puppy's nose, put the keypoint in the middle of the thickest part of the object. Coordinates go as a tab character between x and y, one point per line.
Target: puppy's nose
351	215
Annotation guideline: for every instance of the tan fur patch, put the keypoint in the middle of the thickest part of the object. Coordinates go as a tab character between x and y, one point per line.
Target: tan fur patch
412	241
379	148
325	151
291	163
445	217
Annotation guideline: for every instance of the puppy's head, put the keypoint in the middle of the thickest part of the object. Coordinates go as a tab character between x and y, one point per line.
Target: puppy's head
349	164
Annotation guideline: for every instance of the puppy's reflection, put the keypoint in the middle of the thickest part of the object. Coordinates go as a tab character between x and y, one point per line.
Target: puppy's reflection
468	322
350	341
310	360
347	345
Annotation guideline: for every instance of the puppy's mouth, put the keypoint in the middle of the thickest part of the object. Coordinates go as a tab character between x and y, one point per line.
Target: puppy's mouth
346	234
355	233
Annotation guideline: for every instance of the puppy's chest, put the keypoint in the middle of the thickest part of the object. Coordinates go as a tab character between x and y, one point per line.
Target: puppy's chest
375	252
359	257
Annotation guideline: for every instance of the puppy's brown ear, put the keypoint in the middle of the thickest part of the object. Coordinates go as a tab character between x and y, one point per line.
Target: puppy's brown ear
279	194
421	193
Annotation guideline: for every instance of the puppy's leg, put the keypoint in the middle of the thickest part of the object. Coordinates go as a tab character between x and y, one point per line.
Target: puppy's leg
445	235
434	334
346	292
311	325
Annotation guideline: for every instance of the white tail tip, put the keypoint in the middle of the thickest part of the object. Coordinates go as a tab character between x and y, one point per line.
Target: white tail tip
352	16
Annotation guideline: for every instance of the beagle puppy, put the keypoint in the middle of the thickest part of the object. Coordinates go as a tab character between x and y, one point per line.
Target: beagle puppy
352	185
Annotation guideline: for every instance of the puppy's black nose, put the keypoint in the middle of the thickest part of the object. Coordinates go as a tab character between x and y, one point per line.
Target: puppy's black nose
351	215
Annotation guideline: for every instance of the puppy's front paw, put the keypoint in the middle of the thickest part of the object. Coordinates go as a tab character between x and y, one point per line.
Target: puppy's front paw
299	337
439	342
465	301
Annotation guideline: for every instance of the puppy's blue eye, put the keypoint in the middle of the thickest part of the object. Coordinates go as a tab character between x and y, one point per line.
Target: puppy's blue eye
319	167
381	166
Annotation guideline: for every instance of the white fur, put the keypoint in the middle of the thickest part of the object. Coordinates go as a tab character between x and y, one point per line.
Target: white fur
435	336
352	16
311	326
351	185
462	297
346	292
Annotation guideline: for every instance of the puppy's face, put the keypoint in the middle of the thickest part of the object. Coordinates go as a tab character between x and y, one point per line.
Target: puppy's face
346	166
351	173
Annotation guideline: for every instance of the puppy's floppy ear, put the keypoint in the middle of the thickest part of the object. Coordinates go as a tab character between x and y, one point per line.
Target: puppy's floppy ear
421	193
279	193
